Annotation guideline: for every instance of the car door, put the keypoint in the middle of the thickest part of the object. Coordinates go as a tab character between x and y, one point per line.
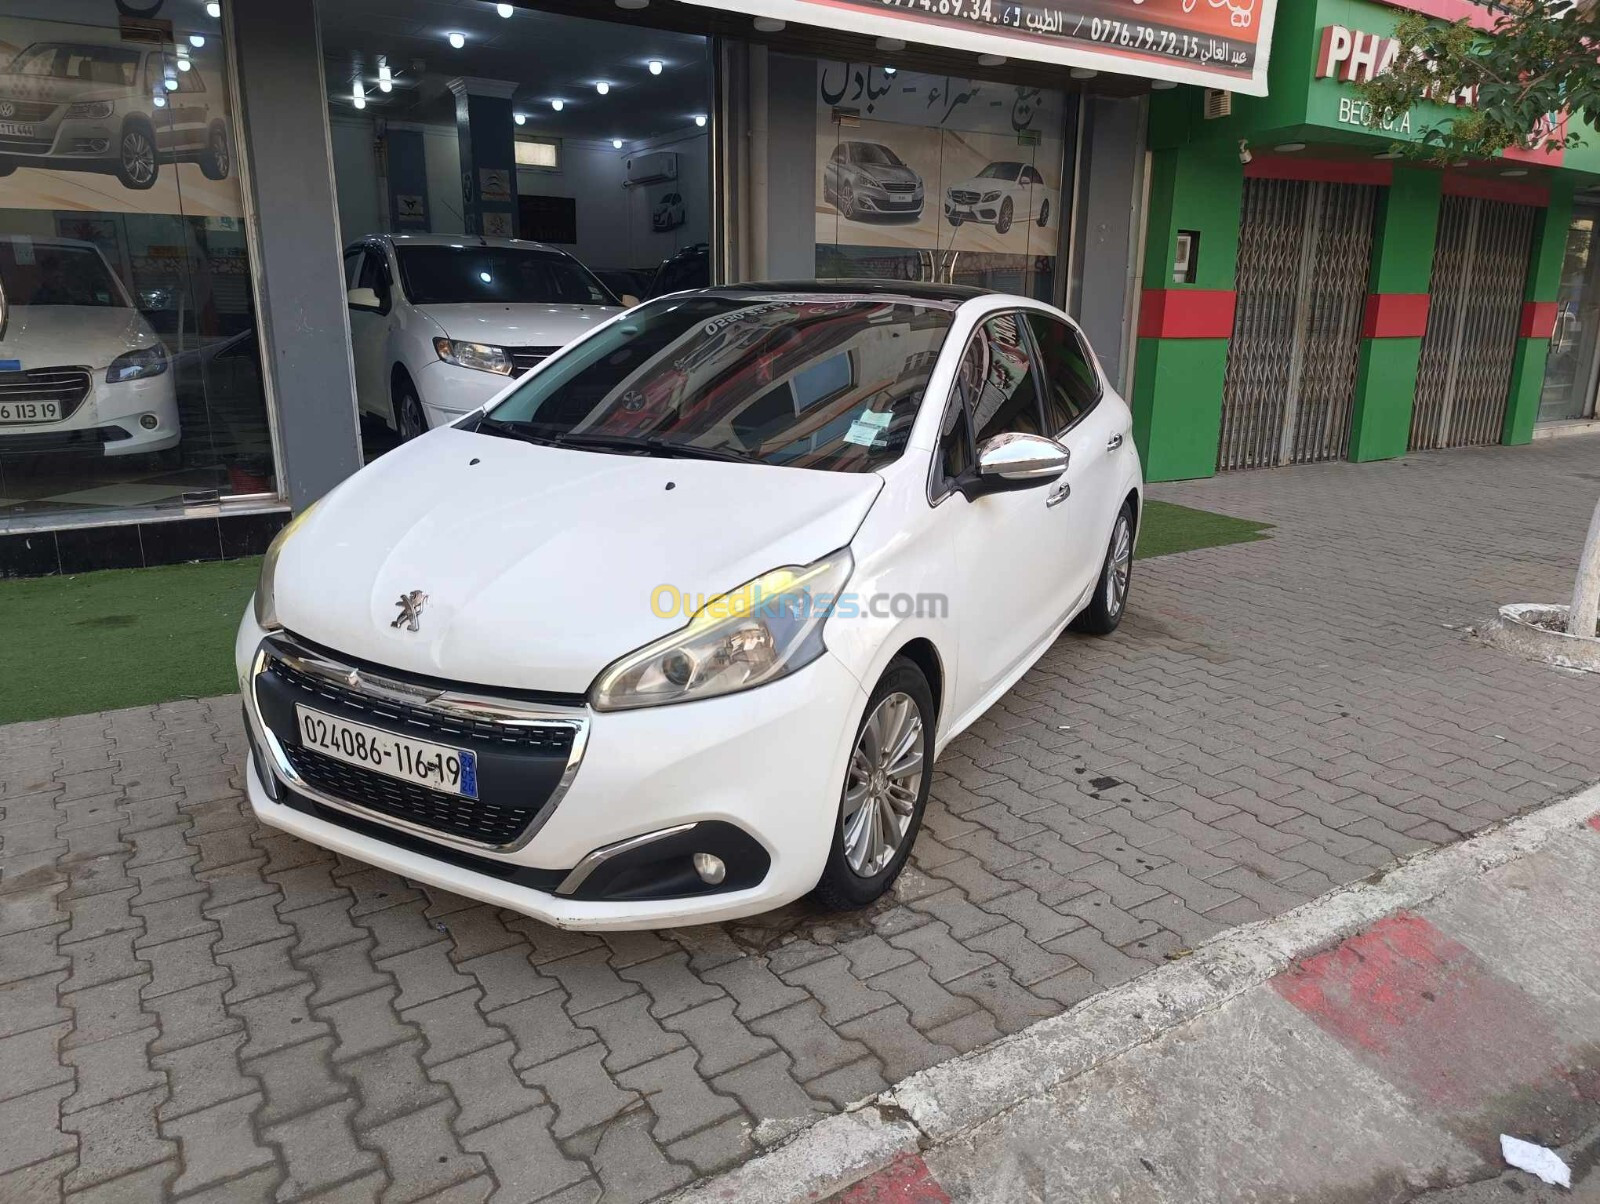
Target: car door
1094	429
369	328
1011	575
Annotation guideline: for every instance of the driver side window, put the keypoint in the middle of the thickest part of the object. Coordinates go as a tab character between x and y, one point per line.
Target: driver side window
995	393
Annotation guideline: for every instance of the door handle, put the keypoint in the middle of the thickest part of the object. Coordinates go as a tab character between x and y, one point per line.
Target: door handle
1059	492
1114	442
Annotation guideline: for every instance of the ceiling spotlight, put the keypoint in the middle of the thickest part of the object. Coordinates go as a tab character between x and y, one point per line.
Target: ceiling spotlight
616	144
633	4
458	40
655	66
602	87
358	95
185	65
558	104
890	70
197	40
214	10
1083	73
768	25
159	101
170	83
991	60
1289	148
505	10
520	118
700	120
891	45
1162	85
385	78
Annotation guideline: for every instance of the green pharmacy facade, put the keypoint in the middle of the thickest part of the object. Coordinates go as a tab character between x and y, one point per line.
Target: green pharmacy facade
1311	293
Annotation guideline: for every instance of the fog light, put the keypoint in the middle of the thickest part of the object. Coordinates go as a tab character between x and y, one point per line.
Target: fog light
710	868
149	421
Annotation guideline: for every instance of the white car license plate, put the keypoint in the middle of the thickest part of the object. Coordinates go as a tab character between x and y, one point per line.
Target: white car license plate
30	411
437	766
18	129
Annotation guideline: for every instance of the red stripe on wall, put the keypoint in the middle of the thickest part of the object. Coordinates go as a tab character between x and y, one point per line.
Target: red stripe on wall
1538	319
1395	316
1189	313
1517	192
1333	171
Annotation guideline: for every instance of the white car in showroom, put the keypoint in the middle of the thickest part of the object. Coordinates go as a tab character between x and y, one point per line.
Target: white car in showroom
673	631
1001	194
439	323
80	368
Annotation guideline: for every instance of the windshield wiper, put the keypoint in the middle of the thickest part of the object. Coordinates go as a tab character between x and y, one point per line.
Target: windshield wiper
649	444
511	430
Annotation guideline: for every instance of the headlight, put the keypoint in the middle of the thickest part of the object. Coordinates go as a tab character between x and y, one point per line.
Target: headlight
266	601
991	196
146	361
90	108
481	356
764	630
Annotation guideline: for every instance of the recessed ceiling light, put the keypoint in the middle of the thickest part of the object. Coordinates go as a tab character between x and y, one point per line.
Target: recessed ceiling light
214	10
385	78
1289	148
458	40
170	83
602	87
358	95
1162	85
890	70
700	120
991	60
505	10
197	40
633	4
486	277
520	118
616	144
558	104
1515	172
768	25
160	101
892	45
655	66
185	65
1083	73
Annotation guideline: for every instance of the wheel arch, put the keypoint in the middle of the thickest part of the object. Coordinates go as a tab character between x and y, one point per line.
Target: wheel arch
922	653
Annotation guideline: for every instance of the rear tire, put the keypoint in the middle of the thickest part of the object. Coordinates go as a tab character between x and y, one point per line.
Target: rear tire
1110	601
216	162
885	791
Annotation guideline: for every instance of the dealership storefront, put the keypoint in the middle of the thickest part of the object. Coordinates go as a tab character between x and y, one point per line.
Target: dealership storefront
194	197
1309	293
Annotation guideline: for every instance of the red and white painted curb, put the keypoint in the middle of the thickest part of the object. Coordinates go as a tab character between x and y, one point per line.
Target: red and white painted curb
1354	961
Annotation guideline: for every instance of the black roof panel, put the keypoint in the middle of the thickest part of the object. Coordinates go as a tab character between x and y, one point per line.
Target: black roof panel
950	293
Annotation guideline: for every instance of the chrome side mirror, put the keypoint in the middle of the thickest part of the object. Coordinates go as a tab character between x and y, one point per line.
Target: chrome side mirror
1014	460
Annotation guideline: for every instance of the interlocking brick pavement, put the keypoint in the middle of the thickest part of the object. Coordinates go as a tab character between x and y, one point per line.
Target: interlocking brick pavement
196	1007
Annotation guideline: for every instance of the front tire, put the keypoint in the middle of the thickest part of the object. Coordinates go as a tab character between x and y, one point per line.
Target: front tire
846	204
1104	612
411	419
885	791
1044	215
1003	222
137	163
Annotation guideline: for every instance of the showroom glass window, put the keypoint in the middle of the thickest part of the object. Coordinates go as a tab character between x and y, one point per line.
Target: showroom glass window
130	378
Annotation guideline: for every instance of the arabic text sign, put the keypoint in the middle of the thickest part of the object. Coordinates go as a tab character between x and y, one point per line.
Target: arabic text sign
1216	43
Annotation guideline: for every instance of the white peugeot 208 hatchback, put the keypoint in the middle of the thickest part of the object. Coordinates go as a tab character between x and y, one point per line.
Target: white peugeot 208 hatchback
672	630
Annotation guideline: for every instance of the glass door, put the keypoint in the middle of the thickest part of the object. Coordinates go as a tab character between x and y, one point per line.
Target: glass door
1569	378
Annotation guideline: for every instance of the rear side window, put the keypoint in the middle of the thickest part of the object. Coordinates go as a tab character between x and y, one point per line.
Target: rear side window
1071	385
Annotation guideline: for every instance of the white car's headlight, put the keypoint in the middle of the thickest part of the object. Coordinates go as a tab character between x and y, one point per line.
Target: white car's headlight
764	630
991	196
132	365
266	602
90	108
482	356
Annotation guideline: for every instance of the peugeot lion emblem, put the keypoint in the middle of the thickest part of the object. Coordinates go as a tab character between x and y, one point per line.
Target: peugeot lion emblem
410	610
7	109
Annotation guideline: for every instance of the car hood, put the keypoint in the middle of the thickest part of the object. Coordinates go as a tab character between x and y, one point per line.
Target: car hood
540	563
982	184
891	175
44	87
518	325
47	336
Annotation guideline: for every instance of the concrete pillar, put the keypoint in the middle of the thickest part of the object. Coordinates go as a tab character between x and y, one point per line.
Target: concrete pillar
287	171
408	181
486	129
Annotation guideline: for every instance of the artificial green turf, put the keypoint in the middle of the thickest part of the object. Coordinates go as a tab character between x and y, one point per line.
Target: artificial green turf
129	637
1168	528
120	638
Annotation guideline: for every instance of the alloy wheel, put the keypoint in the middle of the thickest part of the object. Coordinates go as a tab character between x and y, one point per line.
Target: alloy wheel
1121	566
412	420
138	157
220	157
880	792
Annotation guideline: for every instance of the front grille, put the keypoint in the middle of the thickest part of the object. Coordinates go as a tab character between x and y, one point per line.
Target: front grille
524	358
27	110
555	741
69	386
464	818
899	186
962	197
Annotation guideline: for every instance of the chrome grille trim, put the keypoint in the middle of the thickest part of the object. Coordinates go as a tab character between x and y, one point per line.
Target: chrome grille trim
525	358
67	385
28	110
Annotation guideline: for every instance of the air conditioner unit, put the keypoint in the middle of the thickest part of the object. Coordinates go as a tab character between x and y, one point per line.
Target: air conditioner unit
648	169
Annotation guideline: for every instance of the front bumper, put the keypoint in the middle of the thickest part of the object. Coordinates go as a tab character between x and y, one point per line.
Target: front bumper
107	420
888	204
984	213
768	763
448	391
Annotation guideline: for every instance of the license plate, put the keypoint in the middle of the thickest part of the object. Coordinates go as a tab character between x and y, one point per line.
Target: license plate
18	129
30	411
436	766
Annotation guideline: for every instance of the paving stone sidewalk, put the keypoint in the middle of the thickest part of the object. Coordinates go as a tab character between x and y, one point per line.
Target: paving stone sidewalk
195	1007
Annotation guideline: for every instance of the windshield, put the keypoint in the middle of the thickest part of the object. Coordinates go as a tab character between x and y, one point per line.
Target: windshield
1000	171
97	64
462	275
803	381
36	274
874	155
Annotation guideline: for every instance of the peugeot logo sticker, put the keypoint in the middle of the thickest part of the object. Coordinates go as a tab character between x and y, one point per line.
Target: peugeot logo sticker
410	610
